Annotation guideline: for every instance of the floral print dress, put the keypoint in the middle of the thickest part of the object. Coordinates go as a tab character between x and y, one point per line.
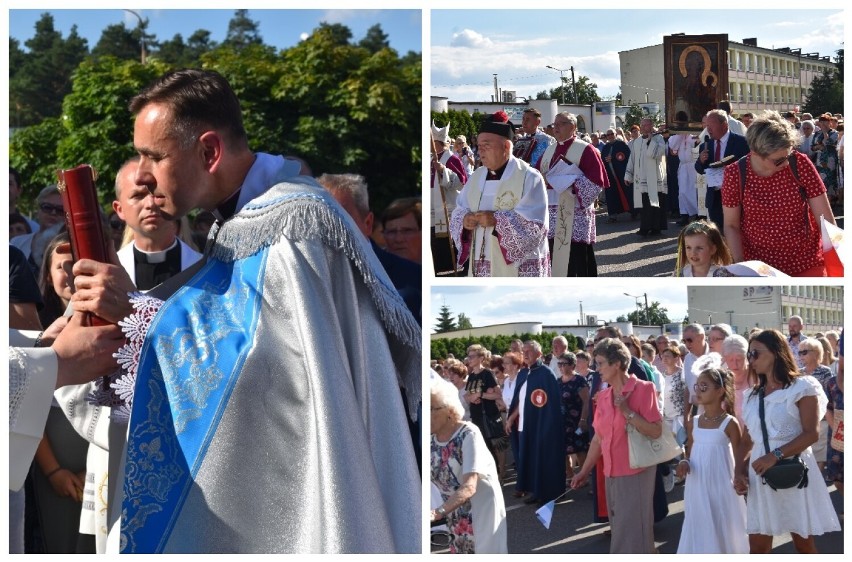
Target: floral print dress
572	408
446	465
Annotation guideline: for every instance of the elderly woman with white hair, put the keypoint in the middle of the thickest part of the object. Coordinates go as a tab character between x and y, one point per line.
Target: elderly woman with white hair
465	474
734	353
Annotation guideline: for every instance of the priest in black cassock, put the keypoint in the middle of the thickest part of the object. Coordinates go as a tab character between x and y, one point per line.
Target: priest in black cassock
619	196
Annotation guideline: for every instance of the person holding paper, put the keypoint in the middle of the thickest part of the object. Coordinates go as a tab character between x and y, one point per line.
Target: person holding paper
646	168
575	176
724	148
501	221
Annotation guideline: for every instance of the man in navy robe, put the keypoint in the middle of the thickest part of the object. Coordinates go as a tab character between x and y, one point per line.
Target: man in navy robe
541	470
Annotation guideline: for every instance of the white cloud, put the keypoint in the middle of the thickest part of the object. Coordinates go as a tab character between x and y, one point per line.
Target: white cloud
470	38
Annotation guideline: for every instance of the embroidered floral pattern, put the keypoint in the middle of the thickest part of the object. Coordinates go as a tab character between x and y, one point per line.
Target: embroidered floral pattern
539	267
518	236
461	237
446	467
584	210
117	394
552	211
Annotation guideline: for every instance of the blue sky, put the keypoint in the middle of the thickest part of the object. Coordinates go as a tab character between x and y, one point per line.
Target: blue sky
281	28
468	47
552	302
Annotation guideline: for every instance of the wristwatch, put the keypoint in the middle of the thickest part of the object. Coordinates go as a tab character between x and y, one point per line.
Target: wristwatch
631	415
778	454
441	511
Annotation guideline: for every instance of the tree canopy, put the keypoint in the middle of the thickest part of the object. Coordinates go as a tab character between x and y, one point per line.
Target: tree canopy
343	106
826	92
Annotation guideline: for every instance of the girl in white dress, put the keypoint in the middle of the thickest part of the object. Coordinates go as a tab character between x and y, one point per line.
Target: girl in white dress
714	515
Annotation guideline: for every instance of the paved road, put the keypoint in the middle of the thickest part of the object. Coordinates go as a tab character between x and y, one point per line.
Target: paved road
621	252
572	529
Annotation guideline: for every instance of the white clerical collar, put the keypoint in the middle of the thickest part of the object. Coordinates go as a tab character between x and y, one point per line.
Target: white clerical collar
157	256
267	170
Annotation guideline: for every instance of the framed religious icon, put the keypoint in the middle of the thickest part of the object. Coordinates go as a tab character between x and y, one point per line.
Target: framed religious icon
696	77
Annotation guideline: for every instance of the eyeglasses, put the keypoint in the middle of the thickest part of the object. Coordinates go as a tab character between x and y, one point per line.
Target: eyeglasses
701	387
687	340
753	354
563	363
803	352
55	210
436	408
779	161
401	232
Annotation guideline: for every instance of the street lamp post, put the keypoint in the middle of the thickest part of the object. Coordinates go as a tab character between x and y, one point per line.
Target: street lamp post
141	32
562	80
647	310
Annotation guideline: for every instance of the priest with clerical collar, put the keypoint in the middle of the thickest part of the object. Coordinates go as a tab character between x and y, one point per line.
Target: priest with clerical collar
155	253
500	221
575	176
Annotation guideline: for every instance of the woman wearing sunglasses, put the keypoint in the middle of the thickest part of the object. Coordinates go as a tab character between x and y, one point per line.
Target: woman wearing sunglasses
776	208
793	406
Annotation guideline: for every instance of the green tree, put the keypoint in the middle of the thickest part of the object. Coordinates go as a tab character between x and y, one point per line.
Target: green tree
446	323
655	315
464	322
336	33
587	92
461	123
42	76
32	151
242	31
826	94
375	39
121	42
635	114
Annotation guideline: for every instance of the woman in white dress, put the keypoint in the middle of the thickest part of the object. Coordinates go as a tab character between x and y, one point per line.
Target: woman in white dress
793	407
464	472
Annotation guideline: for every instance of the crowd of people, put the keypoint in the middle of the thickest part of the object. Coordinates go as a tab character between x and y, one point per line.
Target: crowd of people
288	262
524	201
569	417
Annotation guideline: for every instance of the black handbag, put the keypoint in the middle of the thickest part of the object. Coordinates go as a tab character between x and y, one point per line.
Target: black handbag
787	473
494	432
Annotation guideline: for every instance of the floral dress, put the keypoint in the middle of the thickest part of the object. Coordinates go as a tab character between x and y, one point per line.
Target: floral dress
826	159
834	462
572	408
446	462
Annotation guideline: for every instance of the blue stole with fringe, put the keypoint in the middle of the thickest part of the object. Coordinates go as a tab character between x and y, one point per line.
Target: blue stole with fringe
190	361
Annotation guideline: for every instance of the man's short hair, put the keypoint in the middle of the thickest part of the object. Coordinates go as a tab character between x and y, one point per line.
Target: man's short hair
534	111
353	184
197	100
719	115
47	192
130	160
401	207
534	344
747	114
697	328
724	105
609	331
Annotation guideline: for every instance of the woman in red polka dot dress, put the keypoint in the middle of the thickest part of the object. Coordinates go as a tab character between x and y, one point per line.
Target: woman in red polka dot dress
770	219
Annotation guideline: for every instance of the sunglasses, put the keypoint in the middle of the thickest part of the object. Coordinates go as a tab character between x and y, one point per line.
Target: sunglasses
754	354
779	161
55	210
701	387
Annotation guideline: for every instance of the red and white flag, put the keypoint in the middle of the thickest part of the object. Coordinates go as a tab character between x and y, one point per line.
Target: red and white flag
832	248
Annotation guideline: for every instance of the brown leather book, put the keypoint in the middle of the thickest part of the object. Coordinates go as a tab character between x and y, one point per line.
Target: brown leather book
83	217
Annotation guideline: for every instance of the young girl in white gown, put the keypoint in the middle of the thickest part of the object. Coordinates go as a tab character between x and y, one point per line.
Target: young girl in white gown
714	515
